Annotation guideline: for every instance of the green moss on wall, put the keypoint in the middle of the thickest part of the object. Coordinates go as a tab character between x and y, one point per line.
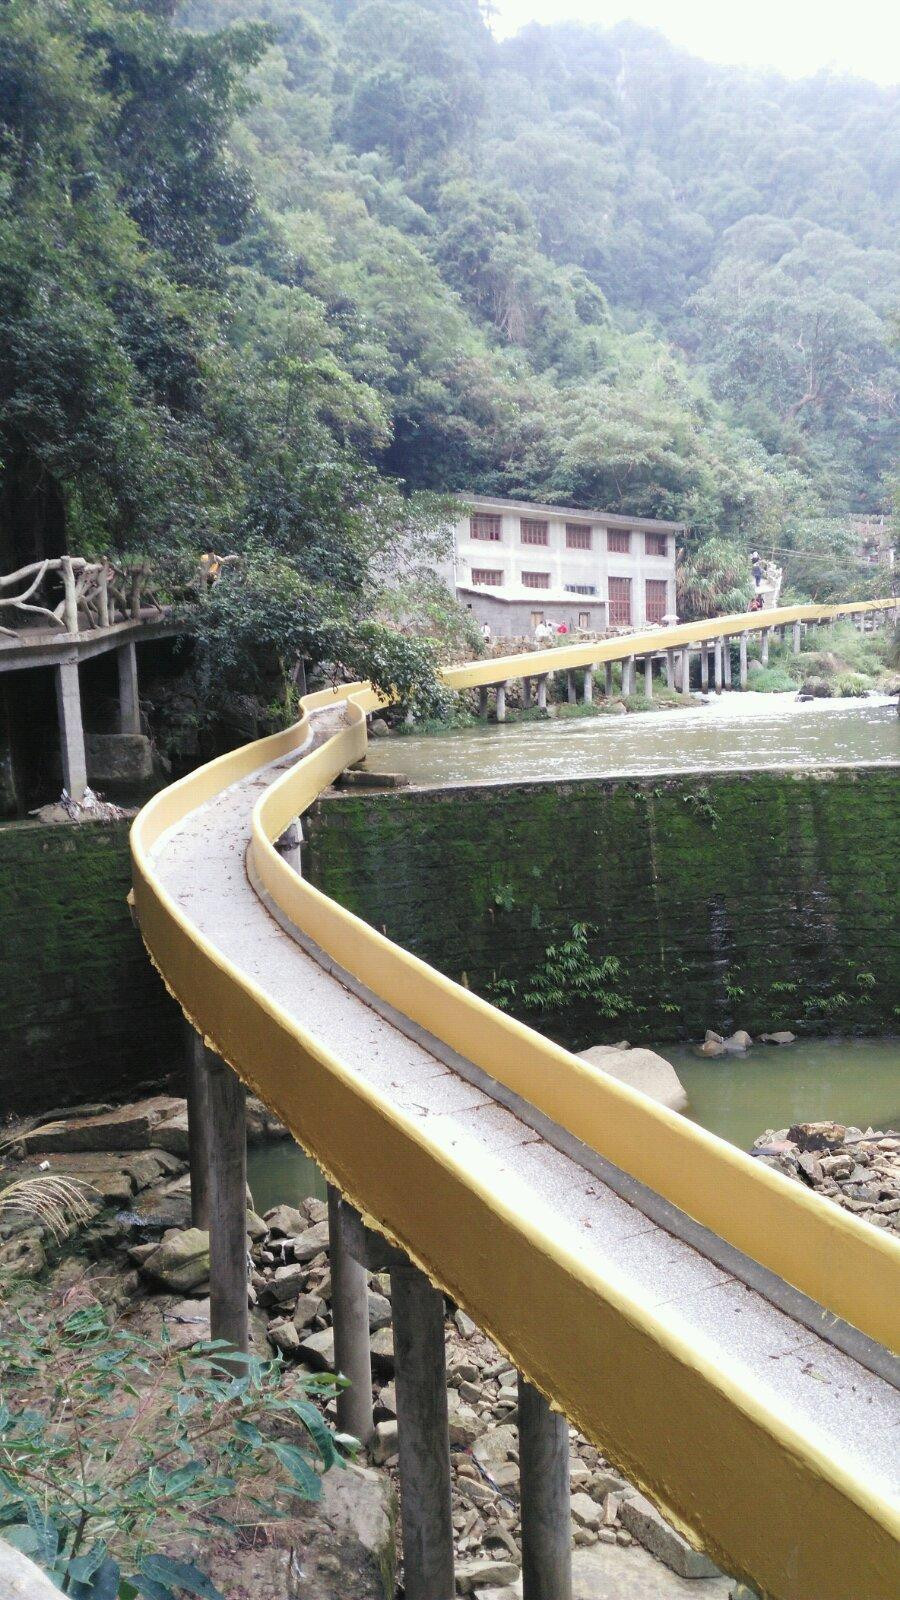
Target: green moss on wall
82	1013
759	900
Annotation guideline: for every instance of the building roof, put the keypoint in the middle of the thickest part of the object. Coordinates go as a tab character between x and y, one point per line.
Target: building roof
610	519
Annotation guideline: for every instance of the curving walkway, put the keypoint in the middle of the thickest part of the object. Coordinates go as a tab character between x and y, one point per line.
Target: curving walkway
718	1331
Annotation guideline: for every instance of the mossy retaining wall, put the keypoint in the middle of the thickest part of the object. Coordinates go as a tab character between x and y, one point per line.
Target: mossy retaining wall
759	900
83	1015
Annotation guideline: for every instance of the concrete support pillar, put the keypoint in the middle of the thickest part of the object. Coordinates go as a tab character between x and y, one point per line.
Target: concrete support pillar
198	1128
571	691
350	1311
743	668
648	677
726	663
796	636
423	1438
227	1145
71	729
764	646
526	692
704	667
483	702
545	1498
588	685
607	679
501	702
129	705
718	654
670	669
629	675
542	692
686	670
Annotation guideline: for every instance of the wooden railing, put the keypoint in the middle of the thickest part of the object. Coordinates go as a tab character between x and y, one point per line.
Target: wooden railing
94	594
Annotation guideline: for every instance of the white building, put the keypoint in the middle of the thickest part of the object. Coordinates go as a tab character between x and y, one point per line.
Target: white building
516	564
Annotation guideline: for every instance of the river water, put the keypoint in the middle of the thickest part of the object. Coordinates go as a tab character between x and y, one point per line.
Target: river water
853	1081
732	732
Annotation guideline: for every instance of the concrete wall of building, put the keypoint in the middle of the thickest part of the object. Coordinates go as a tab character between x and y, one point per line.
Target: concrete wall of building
516	619
565	567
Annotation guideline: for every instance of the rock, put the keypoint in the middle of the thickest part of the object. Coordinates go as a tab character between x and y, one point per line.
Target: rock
711	1047
711	1037
585	1512
20	1579
181	1261
172	1134
166	1205
187	1323
781	1036
387	1399
739	1040
644	1070
817	1135
311	1242
286	1222
465	1327
256	1228
285	1284
284	1337
474	1575
315	1209
382	1351
22	1256
385	1442
465	1424
644	1523
816	689
493	1448
127	1128
263	1126
318	1350
379	1311
308	1307
606	1571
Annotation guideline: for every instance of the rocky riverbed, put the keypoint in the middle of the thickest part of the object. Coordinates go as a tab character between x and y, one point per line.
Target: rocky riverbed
859	1170
136	1250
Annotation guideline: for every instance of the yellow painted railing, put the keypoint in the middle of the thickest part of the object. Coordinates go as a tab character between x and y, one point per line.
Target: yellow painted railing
684	1422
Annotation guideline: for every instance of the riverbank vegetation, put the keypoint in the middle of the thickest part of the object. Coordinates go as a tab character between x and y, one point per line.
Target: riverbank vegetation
276	274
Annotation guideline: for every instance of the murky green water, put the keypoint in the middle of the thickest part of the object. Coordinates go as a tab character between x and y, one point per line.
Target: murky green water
849	1080
732	732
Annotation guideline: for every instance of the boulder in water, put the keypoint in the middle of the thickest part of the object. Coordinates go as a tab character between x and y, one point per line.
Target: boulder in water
653	1075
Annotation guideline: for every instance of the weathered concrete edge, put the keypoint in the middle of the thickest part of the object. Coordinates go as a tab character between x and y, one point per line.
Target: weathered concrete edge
862	1349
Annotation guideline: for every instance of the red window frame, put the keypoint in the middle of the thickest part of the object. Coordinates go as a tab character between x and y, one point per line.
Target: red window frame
579	536
535	580
486	525
619	601
532	530
656	544
618	541
488	577
656	599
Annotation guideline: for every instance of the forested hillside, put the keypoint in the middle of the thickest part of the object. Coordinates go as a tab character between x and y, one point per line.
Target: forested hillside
584	265
272	271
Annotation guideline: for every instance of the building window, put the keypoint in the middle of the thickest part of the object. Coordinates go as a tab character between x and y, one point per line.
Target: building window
533	532
485	525
657	600
491	577
536	580
656	544
619	601
537	618
619	541
581	588
584	619
578	536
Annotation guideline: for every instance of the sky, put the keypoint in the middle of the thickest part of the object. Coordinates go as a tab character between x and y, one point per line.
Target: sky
798	37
